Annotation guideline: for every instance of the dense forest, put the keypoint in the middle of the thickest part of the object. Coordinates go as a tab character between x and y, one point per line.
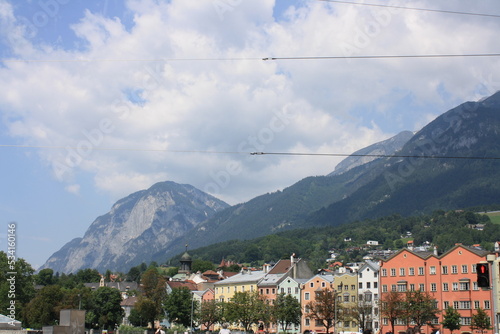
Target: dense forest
442	229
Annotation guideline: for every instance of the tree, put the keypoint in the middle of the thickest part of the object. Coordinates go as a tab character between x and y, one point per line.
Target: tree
105	310
287	311
361	312
179	305
324	308
209	313
245	308
147	311
154	287
16	285
42	310
420	307
45	277
480	321
87	276
391	307
201	266
451	319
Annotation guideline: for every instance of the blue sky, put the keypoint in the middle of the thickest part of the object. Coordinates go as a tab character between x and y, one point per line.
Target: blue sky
98	119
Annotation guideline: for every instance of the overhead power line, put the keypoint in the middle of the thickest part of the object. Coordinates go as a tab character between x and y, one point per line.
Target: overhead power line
413	8
256	152
449	55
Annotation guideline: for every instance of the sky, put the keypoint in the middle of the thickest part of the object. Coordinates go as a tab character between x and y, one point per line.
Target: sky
99	99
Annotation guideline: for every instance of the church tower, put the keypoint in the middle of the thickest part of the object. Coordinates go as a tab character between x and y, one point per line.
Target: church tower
185	261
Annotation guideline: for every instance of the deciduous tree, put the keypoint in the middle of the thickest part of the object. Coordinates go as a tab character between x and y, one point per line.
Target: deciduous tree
287	311
480	321
391	307
451	319
324	308
420	308
179	306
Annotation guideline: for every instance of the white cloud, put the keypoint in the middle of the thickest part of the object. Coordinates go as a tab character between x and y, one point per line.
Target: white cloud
237	106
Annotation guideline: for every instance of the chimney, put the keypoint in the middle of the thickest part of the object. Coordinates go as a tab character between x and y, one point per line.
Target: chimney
435	250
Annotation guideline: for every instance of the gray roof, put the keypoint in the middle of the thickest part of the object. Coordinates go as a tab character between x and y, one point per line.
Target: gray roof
243	277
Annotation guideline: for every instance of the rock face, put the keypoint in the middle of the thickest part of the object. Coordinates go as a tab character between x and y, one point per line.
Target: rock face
361	157
137	227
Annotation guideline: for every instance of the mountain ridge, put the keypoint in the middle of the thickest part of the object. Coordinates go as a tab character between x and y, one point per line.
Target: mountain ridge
431	169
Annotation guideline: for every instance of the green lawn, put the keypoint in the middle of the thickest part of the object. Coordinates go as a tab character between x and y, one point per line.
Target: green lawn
494	216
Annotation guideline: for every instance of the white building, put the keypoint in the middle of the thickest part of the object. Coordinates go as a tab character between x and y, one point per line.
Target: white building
368	282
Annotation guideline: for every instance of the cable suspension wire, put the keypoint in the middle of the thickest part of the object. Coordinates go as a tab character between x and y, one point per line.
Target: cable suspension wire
450	55
413	8
257	152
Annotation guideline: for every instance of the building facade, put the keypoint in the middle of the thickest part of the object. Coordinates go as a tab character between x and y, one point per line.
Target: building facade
449	278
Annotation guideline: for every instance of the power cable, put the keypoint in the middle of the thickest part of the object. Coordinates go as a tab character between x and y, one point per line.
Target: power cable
413	8
256	152
253	59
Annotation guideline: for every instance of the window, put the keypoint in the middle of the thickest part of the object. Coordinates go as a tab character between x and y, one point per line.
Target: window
421	287
433	270
412	287
346	287
465	321
474	285
228	289
433	287
454	269
243	288
464	286
444	270
308	322
289	290
236	289
368	297
368	285
318	323
401	271
346	298
476	304
274	291
455	286
473	266
353	299
445	287
384	272
456	305
353	287
411	271
323	284
375	285
421	271
346	324
486	304
251	287
360	285
393	272
465	269
267	291
375	296
401	287
385	321
306	296
446	305
296	290
283	290
393	288
384	288
465	304
311	284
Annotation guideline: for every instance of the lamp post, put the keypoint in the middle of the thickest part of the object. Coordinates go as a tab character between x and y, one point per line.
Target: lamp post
192	310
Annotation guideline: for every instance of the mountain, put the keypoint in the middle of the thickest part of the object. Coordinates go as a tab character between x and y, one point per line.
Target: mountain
370	153
451	163
136	227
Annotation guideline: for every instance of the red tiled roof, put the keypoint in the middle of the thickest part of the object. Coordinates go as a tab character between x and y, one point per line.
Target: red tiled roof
178	284
281	267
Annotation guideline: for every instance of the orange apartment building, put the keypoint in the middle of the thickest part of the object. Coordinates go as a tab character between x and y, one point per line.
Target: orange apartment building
450	278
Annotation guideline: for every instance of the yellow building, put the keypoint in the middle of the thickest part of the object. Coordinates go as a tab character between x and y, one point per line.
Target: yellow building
246	280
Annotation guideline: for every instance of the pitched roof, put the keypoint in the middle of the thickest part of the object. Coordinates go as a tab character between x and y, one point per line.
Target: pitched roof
283	266
179	284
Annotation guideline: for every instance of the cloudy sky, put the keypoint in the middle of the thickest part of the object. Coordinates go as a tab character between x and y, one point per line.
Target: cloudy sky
99	99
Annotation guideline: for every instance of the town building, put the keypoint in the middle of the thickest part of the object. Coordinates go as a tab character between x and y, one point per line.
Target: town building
450	278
